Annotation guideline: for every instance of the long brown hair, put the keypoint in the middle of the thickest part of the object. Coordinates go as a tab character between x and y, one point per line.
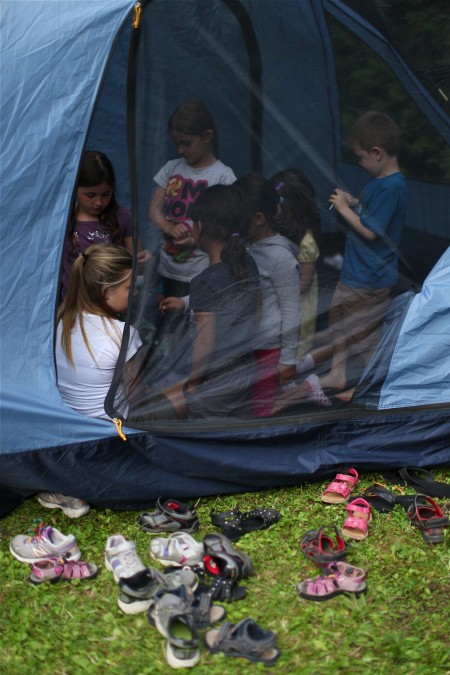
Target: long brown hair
96	168
100	267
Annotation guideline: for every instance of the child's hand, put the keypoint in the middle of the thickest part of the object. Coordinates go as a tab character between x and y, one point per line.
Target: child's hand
177	231
171	304
350	199
285	374
338	200
143	257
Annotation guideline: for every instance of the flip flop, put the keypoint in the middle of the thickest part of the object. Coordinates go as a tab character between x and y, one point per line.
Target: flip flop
420	480
380	498
423	481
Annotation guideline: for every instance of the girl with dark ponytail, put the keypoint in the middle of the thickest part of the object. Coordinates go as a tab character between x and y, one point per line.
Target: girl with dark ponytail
223	305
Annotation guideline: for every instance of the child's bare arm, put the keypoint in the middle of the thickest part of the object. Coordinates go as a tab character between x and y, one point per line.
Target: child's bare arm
174	230
308	270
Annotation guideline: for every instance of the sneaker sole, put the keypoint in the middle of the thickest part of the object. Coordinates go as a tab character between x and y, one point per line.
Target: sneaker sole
56	554
175	662
135	607
70	513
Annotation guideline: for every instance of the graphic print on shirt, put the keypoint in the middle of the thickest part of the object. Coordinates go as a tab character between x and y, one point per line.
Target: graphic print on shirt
181	193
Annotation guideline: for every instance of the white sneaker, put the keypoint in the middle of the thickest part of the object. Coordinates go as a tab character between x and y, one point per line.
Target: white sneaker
72	507
179	549
121	557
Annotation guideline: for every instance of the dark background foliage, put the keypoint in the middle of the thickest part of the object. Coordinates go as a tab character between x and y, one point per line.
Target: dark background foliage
419	30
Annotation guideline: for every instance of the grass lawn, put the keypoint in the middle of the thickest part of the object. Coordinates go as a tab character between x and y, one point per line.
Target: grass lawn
401	625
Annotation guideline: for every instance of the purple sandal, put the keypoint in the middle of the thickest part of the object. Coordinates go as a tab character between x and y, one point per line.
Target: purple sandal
54	569
341	578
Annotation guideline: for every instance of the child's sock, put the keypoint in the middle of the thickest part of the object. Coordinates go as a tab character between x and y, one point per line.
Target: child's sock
317	394
305	363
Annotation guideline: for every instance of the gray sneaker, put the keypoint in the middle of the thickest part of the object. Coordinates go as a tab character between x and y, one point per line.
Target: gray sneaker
137	593
45	542
174	619
72	507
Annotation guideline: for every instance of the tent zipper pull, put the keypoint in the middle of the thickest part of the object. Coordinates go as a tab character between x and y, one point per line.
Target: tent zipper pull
118	424
137	15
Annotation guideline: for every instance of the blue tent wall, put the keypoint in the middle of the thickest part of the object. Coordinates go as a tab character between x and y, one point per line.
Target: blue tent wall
54	57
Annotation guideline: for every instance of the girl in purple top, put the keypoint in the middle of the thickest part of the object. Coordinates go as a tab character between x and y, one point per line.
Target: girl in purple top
96	217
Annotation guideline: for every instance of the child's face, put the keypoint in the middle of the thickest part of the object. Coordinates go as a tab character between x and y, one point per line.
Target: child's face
369	160
92	201
116	297
196	150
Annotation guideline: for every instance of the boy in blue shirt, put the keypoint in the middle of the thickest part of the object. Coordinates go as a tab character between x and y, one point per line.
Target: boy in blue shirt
369	269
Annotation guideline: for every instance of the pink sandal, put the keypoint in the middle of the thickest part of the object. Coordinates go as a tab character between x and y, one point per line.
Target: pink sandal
340	578
356	524
339	490
54	569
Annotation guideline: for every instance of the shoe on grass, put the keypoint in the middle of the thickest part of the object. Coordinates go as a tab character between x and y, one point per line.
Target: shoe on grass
179	550
71	506
173	617
44	542
121	557
138	592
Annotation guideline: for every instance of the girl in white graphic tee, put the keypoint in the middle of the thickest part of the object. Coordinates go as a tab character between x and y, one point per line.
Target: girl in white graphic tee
179	183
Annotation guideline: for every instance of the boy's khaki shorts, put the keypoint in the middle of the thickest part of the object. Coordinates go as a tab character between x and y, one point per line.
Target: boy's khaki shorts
356	316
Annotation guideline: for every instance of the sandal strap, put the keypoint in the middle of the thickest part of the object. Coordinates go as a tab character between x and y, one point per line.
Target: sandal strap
78	570
226	517
235	638
313	546
356	523
348	478
358	505
341	488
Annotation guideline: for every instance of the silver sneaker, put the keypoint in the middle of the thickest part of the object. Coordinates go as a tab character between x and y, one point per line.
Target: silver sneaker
121	557
42	543
72	507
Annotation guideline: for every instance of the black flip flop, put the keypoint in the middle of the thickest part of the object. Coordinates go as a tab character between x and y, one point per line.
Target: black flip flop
380	498
420	480
423	481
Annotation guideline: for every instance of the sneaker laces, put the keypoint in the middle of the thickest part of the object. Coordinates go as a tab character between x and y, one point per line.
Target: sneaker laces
129	558
36	531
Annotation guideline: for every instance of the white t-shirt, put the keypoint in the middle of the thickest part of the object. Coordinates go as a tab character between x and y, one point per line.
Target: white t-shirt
84	387
183	185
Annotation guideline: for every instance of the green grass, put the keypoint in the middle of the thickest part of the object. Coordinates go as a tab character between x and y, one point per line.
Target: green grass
401	625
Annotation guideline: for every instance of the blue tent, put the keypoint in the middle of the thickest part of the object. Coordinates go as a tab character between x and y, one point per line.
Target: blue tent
77	74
